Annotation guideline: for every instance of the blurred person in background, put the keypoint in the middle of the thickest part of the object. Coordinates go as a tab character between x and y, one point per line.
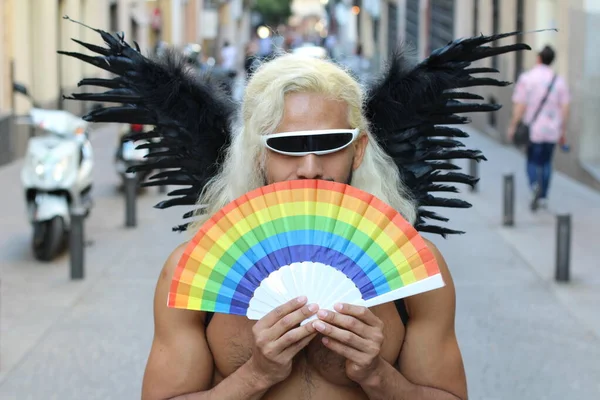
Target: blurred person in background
265	46
192	54
228	57
547	128
330	43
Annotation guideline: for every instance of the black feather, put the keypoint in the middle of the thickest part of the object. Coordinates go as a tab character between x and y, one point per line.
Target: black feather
92	47
410	107
121	95
433	215
180	201
462	96
190	112
106	83
181	228
438	230
432	201
481	70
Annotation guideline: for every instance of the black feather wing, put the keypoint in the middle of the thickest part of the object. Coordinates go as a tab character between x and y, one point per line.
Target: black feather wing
190	113
410	107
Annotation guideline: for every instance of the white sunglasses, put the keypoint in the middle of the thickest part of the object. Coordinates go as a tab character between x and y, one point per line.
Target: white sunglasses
302	143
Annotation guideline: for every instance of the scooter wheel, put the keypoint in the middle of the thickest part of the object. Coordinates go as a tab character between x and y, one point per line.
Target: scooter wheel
48	238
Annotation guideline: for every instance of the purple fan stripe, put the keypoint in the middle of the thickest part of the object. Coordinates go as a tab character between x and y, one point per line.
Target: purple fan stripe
273	261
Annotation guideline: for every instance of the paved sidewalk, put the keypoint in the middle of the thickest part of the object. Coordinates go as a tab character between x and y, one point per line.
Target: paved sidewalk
89	339
534	235
522	335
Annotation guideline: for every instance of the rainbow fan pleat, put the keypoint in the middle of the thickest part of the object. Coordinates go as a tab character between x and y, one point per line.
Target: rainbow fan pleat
292	222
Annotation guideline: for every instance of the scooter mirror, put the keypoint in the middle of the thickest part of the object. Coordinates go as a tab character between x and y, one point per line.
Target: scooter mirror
19	88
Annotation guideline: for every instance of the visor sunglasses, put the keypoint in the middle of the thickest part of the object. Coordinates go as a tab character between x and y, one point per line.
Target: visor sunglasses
302	143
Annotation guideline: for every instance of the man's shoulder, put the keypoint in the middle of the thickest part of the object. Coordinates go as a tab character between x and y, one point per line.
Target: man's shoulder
527	74
172	261
441	261
436	252
436	302
167	318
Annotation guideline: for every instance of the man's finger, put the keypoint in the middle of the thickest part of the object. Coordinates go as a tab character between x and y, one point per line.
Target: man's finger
281	311
295	348
344	336
344	351
293	336
292	320
360	312
347	322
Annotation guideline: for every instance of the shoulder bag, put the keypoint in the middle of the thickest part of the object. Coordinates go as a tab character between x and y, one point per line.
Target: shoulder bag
521	136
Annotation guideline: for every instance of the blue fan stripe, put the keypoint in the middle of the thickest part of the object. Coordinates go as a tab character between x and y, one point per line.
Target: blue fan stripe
343	255
301	253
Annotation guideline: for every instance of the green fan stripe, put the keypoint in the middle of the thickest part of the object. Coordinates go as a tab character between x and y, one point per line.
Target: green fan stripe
265	231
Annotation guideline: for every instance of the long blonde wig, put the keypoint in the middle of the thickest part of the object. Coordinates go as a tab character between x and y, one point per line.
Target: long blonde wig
262	110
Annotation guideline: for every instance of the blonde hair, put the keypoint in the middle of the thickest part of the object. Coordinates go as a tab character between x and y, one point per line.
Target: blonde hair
262	110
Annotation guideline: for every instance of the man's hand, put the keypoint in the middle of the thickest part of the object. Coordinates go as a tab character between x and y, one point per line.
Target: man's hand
278	338
563	139
517	115
510	132
355	333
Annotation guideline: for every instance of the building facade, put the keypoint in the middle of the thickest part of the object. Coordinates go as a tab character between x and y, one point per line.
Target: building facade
373	24
208	23
31	33
28	48
176	22
428	24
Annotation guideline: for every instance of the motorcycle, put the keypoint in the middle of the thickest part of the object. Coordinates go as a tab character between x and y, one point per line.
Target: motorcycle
128	155
56	176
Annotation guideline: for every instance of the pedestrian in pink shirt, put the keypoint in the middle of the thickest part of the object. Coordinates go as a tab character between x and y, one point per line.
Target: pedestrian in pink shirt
548	127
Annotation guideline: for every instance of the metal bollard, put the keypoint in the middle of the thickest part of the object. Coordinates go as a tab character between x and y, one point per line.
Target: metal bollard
563	247
162	189
77	242
474	172
509	200
130	199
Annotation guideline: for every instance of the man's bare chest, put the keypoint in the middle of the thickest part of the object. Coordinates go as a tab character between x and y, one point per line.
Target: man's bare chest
230	341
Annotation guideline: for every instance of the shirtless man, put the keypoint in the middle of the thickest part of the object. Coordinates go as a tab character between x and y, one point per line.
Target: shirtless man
405	350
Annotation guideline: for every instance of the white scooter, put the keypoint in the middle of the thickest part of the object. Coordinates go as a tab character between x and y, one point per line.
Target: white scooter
128	155
56	176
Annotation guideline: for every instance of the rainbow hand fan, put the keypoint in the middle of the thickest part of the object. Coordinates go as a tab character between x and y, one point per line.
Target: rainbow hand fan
324	240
